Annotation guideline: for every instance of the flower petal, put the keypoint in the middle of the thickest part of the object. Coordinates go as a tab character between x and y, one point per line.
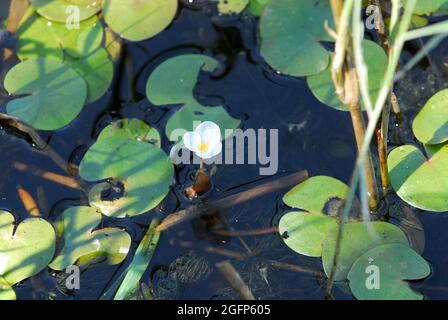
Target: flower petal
191	140
211	152
209	133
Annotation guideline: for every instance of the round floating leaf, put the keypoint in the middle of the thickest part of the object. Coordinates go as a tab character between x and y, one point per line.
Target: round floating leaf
139	20
232	6
430	126
290	33
358	238
82	245
24	251
305	231
97	71
420	182
143	170
173	81
134	129
393	263
59	10
322	84
54	94
36	39
312	194
184	119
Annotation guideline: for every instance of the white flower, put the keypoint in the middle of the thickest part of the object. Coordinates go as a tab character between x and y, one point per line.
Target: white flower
205	140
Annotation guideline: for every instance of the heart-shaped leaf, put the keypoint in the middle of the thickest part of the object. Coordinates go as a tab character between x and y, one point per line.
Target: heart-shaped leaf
42	38
54	93
142	20
142	170
97	71
173	82
430	126
83	246
322	84
391	264
304	232
358	238
290	33
421	182
24	251
59	10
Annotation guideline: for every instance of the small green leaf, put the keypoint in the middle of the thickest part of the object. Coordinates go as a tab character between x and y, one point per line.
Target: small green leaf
291	31
420	182
59	10
54	93
430	126
358	238
24	251
393	264
143	169
83	244
322	84
139	20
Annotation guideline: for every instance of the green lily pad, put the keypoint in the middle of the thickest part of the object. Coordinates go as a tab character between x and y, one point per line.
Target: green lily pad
24	251
36	38
322	84
358	238
134	129
6	291
97	71
143	169
83	244
173	82
256	7
142	20
306	231
394	263
291	31
80	42
54	93
421	182
232	6
184	119
430	126
56	10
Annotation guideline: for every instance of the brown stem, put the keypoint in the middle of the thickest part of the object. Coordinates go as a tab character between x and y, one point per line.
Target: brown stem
235	280
243	233
17	10
256	192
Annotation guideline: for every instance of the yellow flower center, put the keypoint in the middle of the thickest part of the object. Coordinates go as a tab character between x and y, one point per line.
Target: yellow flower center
203	147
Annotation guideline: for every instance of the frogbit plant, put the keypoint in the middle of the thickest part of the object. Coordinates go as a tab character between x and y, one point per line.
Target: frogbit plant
205	142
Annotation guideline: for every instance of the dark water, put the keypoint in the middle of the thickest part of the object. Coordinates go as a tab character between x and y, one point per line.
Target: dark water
312	136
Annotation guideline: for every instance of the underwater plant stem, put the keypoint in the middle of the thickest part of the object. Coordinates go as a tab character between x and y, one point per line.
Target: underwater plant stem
235	280
388	80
